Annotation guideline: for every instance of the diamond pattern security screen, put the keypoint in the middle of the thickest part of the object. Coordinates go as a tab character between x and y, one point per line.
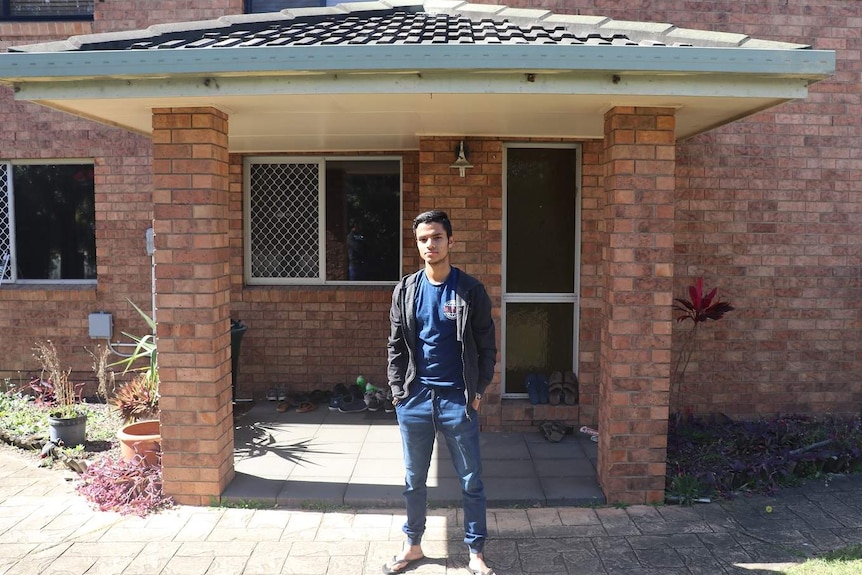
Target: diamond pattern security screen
322	220
5	223
284	220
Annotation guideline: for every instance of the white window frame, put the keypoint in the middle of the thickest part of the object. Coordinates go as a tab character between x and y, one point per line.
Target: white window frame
10	215
570	298
321	218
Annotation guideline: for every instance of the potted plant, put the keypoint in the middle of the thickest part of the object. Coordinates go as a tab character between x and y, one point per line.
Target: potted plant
138	399
67	422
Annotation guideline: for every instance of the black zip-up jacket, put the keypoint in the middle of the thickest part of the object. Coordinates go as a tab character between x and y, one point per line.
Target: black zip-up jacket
475	329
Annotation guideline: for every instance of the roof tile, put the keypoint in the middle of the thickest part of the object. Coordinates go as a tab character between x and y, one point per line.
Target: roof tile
404	22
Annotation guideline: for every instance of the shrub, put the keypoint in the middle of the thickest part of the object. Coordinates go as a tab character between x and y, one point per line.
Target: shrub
53	387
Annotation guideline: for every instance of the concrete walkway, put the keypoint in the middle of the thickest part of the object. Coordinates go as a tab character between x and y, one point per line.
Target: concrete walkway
356	459
46	529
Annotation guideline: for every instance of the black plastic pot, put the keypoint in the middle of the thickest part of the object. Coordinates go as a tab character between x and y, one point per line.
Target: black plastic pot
237	330
70	431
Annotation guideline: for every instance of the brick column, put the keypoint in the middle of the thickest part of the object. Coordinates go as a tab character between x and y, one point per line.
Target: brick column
190	213
637	273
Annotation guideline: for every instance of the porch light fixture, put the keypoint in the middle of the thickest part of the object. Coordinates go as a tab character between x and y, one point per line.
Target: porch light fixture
461	162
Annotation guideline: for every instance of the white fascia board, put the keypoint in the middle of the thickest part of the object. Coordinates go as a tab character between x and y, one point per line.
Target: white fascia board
18	67
570	83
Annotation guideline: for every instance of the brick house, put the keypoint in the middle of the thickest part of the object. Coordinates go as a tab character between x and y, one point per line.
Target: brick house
604	178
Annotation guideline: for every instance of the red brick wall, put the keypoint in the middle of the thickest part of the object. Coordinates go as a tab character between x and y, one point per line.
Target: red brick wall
768	211
123	201
190	197
133	14
123	211
636	295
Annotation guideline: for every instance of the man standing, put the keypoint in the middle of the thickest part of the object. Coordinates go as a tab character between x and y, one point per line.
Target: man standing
442	352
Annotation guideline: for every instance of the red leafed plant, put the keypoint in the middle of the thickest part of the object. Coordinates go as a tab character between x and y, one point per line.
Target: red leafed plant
127	487
698	308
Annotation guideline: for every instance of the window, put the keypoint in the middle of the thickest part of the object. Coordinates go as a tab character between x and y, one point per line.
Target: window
46	9
315	220
47	222
256	6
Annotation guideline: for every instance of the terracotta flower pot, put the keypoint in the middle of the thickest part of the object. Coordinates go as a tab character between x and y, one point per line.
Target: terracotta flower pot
141	437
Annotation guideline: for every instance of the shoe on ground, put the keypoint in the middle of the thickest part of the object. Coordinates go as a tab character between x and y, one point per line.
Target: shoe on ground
281	393
372	402
385	398
272	394
352	404
338	394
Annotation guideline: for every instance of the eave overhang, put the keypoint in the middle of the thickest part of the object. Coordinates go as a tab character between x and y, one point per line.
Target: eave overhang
320	98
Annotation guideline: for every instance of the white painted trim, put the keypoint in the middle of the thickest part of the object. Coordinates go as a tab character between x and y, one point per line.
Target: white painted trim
622	85
19	66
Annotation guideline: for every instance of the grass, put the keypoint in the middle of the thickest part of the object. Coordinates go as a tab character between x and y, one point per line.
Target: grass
844	561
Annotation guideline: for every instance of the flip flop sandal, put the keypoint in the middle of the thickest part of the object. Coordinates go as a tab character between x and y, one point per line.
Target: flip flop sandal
306	407
389	568
532	388
555	388
563	428
555	392
283	406
570	388
489	571
542	385
550	431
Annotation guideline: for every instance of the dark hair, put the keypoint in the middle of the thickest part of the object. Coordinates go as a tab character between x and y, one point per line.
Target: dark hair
432	216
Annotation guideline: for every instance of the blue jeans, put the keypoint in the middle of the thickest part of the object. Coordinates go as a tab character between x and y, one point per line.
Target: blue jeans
420	416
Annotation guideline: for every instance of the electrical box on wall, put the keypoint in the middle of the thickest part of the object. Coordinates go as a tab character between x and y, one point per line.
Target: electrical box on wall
101	325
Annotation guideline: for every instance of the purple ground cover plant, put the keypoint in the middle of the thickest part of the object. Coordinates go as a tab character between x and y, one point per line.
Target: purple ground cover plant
127	487
730	457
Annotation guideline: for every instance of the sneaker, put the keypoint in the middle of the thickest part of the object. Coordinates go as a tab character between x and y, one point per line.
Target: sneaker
272	394
281	393
372	401
386	401
338	394
352	404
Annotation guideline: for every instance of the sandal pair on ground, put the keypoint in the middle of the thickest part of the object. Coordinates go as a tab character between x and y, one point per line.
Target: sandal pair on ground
304	402
396	565
554	431
559	388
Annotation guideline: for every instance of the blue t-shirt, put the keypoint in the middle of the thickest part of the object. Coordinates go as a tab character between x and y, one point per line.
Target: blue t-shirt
439	361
